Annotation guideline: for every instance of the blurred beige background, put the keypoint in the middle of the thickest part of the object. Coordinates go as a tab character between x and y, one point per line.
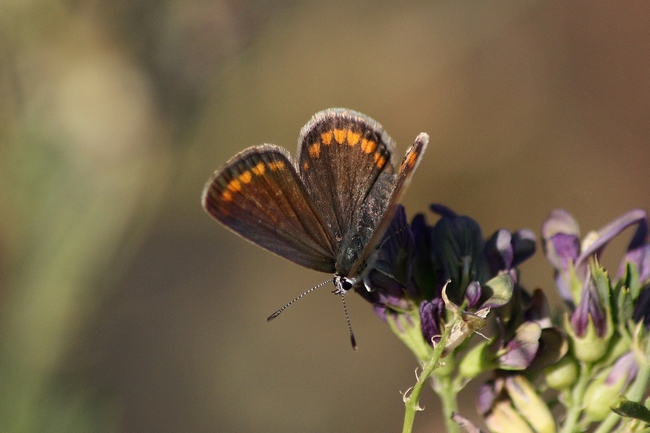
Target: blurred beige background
124	308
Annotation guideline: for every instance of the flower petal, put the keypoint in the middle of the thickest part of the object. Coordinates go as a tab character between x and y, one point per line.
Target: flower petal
521	350
457	243
558	221
424	274
625	366
609	232
524	244
553	345
641	258
473	294
642	307
431	313
499	252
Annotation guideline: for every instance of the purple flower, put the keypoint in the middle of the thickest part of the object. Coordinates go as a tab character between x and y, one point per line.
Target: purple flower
570	258
431	317
416	261
461	255
390	279
589	309
591	324
393	267
424	268
638	253
526	338
457	246
504	250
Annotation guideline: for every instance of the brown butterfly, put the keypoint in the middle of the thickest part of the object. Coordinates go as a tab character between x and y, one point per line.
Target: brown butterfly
327	210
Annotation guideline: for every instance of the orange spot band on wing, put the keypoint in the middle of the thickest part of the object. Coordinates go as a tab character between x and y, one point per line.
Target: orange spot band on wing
245	177
278	165
368	146
353	137
234	185
326	137
340	134
259	169
380	160
226	195
314	150
410	160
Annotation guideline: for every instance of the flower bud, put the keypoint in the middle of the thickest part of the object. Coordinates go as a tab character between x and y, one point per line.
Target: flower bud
604	391
479	359
503	418
529	404
563	374
590	347
591	325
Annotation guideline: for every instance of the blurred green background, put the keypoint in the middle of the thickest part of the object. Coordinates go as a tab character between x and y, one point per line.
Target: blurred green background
124	308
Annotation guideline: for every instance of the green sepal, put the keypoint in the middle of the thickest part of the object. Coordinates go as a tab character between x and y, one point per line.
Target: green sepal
590	348
574	283
410	333
631	279
600	277
624	304
617	347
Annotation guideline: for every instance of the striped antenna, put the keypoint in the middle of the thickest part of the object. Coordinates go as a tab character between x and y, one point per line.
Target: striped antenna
277	313
347	318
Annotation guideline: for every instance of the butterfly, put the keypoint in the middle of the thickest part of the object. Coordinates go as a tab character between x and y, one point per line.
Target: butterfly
326	210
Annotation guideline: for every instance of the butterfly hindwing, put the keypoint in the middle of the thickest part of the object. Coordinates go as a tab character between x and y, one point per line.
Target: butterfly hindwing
259	195
398	187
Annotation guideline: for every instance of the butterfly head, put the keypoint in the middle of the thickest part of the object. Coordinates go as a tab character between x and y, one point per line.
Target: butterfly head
343	284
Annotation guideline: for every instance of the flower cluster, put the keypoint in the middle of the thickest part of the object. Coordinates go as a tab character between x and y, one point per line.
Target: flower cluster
436	285
424	271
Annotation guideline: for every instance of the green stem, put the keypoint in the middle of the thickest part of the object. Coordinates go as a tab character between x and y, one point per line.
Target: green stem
577	396
448	392
411	400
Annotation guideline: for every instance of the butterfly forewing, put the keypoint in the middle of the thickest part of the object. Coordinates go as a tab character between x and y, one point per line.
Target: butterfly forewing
259	195
342	157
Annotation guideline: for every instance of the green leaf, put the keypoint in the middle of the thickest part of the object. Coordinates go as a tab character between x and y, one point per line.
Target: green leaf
631	409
